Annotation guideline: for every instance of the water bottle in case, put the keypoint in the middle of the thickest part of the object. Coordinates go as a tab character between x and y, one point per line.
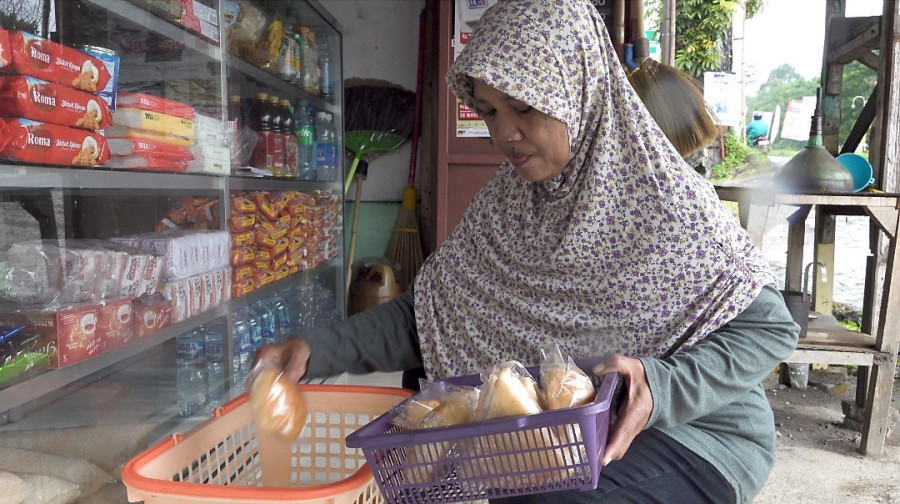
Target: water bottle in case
266	322
190	360
215	364
253	322
242	354
282	317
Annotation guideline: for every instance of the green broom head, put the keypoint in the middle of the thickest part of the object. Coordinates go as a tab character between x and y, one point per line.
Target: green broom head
378	116
676	103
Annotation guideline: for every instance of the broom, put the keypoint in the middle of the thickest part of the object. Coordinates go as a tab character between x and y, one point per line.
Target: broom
379	117
405	246
671	96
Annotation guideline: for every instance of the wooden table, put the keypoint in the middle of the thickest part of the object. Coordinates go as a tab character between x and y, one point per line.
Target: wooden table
826	341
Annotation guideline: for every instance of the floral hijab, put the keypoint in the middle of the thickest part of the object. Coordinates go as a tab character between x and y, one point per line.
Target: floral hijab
627	251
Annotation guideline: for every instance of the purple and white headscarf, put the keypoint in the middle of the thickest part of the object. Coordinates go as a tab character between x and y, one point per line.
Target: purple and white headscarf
627	251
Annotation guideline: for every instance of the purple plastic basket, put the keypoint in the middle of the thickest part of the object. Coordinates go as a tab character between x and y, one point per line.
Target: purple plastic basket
545	452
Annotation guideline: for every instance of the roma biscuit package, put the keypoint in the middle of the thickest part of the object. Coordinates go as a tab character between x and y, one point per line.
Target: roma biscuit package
39	100
5	52
38	57
45	143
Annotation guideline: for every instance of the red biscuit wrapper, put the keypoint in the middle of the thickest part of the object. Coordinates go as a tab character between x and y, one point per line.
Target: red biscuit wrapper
155	103
47	60
45	143
39	100
5	52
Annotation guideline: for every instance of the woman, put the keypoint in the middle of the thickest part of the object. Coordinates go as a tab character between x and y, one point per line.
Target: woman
595	235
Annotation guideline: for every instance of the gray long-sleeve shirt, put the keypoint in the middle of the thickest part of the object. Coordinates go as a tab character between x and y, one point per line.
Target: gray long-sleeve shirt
709	397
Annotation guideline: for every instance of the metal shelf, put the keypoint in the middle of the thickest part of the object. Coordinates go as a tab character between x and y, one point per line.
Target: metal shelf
14	176
271	81
138	15
21	393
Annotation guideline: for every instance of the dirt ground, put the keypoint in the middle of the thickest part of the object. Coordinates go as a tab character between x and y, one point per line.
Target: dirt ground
817	461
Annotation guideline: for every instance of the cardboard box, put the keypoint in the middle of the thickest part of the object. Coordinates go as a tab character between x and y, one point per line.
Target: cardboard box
150	314
115	319
68	335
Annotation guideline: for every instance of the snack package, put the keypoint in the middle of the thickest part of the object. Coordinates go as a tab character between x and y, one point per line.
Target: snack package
47	60
39	100
148	163
116	131
148	148
563	384
507	390
5	50
45	143
277	404
153	121
155	103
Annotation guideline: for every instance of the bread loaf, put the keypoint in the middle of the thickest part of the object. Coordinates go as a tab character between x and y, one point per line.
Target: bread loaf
277	404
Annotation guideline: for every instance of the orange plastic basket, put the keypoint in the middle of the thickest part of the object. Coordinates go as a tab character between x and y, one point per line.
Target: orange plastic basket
223	460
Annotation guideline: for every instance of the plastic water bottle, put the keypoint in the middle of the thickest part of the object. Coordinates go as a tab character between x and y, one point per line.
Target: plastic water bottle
242	354
306	133
282	317
190	360
255	326
326	147
215	364
266	321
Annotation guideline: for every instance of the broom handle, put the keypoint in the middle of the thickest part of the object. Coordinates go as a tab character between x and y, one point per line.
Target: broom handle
351	173
417	121
349	279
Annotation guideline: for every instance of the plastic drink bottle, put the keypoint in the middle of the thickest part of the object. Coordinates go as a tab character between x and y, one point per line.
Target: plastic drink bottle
290	141
276	139
282	317
190	361
242	354
215	364
326	147
305	132
266	322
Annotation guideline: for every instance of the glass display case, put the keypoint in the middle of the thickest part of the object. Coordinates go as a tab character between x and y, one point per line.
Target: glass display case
145	195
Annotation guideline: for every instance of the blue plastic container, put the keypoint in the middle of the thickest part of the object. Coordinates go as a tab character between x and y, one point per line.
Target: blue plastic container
860	168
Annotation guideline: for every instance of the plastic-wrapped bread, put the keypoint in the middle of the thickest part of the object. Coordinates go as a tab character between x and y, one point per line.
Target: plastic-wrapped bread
563	384
506	392
427	462
277	404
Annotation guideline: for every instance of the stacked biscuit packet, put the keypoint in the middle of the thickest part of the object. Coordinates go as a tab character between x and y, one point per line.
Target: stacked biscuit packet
50	112
507	390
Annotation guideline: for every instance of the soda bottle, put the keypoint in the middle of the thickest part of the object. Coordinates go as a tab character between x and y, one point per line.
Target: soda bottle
310	61
326	147
266	322
290	141
242	353
215	363
260	121
306	154
190	361
276	140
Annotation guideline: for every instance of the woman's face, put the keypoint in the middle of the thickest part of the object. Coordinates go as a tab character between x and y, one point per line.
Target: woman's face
536	144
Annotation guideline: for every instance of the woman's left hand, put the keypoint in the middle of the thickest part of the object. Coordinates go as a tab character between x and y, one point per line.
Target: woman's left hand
634	411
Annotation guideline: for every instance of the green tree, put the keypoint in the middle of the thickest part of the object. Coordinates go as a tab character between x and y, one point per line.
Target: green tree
784	84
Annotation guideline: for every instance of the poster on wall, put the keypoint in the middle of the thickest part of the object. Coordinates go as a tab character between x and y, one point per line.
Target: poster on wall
468	12
796	118
722	91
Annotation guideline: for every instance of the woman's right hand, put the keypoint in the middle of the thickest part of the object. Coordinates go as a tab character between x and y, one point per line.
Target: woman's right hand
290	356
